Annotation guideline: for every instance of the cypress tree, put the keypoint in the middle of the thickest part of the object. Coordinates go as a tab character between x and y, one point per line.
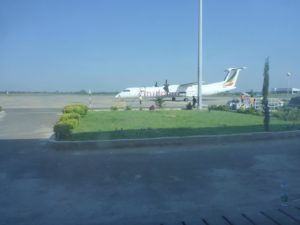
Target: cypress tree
265	92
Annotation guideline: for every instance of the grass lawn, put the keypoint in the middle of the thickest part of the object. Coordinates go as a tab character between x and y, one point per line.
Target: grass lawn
141	124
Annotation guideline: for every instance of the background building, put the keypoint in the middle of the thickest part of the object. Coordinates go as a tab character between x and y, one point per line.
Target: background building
285	90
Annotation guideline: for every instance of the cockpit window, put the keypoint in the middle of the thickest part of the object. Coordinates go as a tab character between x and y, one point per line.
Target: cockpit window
126	90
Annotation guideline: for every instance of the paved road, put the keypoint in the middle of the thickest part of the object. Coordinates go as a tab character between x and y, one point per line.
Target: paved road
166	185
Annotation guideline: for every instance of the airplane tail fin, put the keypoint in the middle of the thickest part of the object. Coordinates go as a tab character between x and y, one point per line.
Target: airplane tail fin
232	76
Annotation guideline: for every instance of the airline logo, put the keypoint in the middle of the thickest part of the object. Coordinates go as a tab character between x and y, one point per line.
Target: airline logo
231	81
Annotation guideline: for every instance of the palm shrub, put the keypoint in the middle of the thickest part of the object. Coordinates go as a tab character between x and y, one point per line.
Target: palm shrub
159	101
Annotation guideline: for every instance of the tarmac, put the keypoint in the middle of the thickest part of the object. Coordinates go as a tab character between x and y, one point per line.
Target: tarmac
58	101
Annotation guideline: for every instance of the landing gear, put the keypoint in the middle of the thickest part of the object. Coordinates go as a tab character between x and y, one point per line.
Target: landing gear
173	99
185	99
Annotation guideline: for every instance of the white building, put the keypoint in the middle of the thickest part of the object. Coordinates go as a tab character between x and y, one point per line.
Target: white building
285	90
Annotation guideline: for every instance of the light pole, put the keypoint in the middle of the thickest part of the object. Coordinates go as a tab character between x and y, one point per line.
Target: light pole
200	66
288	83
90	99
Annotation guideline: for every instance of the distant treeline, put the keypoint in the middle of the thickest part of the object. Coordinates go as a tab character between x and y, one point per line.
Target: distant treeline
59	92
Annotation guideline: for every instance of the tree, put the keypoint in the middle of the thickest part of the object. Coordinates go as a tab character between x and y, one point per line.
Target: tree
295	102
265	92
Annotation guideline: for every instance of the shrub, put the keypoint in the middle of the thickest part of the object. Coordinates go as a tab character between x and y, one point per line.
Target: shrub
152	107
68	116
280	114
241	110
80	109
62	130
128	108
218	107
114	108
69	120
293	114
250	110
189	106
289	114
73	122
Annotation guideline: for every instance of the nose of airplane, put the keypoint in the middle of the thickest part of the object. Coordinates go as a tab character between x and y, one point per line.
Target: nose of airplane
118	96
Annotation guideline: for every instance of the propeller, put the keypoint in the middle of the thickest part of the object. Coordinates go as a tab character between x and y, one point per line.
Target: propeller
166	87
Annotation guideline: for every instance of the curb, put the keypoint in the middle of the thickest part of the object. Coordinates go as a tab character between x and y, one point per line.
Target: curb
172	141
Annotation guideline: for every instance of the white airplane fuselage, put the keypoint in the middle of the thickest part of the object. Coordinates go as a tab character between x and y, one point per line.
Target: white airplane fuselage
209	89
147	92
185	90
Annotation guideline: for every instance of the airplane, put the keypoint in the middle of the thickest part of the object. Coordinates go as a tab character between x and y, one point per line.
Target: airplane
185	90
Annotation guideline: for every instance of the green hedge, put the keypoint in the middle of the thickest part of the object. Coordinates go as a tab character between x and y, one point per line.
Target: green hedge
69	120
62	130
114	108
243	110
80	109
219	107
68	116
250	110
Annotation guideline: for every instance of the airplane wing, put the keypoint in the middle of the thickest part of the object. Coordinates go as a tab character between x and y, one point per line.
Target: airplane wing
246	94
188	84
183	87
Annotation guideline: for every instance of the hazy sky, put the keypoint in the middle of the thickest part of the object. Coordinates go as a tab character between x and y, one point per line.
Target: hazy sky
107	45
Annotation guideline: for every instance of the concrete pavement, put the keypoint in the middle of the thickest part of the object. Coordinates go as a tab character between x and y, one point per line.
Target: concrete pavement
27	123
